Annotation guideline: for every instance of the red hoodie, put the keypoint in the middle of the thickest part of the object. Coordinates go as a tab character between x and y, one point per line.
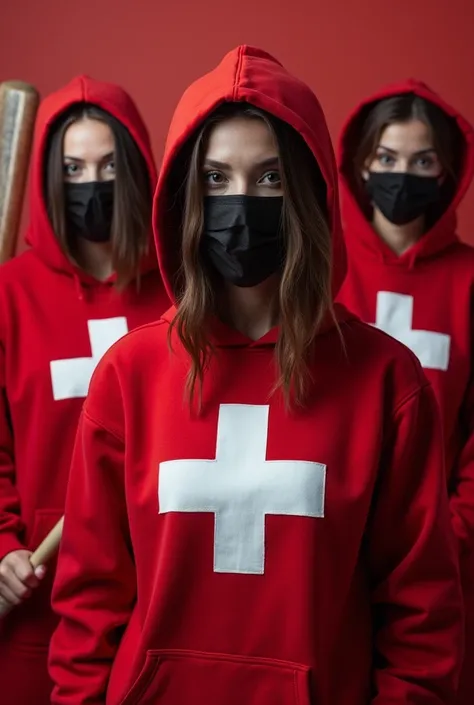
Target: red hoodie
425	299
55	323
248	554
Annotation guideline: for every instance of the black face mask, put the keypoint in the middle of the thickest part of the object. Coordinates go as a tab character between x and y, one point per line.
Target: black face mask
402	198
89	209
242	237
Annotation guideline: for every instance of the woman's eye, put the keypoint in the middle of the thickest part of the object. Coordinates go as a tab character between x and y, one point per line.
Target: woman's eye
110	166
214	178
424	162
71	169
385	159
271	178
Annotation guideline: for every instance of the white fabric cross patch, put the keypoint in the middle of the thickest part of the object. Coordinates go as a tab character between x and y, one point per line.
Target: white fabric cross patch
240	487
395	317
71	378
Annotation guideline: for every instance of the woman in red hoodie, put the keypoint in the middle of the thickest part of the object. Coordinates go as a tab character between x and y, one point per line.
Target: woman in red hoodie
407	160
89	277
256	511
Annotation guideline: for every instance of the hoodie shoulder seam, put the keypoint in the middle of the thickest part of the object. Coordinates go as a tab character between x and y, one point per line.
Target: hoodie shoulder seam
103	426
421	384
160	322
401	348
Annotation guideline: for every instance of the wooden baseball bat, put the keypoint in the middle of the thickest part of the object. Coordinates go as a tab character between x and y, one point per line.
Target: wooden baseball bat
18	106
45	551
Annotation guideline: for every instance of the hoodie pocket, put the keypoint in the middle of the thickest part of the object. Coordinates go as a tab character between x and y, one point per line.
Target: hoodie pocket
182	677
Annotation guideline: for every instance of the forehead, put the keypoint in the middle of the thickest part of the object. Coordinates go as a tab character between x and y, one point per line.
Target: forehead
411	136
240	137
87	137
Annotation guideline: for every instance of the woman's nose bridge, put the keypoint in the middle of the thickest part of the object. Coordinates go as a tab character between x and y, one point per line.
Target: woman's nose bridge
403	165
93	171
241	184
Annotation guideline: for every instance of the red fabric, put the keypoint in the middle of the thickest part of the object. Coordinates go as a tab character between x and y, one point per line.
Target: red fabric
438	272
158	597
46	304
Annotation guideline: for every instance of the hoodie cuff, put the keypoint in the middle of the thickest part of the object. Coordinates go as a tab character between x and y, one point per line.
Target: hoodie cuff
8	543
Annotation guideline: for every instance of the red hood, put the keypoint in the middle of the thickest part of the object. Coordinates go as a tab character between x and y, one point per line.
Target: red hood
358	232
118	103
247	75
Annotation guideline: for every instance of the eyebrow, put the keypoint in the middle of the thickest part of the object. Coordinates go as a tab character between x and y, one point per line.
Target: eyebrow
271	161
77	160
416	154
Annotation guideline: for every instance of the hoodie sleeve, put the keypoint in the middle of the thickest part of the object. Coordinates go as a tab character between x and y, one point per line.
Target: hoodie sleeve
95	587
11	525
416	597
462	477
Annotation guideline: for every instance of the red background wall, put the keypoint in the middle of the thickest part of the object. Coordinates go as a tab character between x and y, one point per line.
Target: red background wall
343	48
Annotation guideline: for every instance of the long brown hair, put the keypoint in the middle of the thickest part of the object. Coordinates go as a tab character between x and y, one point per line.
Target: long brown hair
447	137
132	200
305	295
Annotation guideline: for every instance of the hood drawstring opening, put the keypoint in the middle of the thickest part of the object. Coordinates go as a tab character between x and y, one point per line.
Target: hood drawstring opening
78	287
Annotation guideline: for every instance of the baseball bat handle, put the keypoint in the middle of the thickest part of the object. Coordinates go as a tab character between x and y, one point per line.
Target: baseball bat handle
45	551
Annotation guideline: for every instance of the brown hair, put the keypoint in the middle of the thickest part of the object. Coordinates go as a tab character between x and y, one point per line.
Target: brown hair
305	288
447	137
133	192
